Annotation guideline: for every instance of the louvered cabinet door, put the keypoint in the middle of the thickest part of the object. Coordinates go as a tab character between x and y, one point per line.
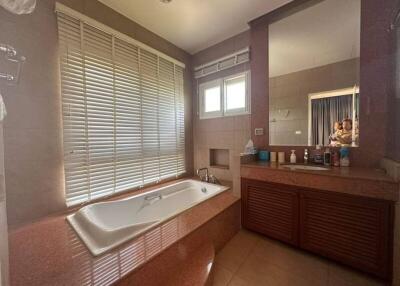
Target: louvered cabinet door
270	209
352	230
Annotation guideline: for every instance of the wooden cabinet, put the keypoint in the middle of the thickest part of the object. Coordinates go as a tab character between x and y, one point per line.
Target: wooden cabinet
353	230
271	210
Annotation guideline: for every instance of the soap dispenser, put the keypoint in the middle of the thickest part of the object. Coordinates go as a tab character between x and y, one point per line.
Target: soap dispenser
318	155
344	157
293	157
327	157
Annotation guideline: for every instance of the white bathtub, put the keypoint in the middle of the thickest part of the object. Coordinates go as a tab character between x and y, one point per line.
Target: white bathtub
103	226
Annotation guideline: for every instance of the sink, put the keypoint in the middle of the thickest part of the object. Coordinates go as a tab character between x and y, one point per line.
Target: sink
305	167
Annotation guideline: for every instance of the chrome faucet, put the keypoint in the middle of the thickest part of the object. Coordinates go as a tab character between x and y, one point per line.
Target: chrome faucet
213	180
206	177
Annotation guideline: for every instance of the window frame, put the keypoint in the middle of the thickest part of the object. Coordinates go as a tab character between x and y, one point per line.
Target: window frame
222	83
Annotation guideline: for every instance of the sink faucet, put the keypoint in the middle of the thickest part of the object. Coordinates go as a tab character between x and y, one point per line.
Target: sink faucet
206	177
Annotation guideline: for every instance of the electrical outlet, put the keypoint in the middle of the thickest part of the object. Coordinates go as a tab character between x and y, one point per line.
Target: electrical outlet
259	131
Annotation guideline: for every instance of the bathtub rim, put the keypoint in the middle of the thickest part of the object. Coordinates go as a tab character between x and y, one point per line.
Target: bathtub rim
95	251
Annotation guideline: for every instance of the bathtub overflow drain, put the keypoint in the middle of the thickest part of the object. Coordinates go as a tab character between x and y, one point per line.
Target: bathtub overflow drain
204	190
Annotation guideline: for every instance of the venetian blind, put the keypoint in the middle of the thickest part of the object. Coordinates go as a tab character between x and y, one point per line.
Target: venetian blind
123	113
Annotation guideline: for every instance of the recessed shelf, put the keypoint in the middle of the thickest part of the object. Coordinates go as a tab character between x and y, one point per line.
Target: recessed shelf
219	158
220	167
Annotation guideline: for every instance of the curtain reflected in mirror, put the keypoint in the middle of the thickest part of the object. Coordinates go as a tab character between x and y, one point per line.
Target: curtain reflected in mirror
333	118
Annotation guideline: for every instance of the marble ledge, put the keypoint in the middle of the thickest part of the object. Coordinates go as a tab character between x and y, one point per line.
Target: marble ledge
372	183
49	252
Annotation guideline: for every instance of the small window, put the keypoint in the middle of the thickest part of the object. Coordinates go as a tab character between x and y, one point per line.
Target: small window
210	99
225	97
235	94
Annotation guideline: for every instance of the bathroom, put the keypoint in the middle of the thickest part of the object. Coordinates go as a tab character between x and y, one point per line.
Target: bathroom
171	142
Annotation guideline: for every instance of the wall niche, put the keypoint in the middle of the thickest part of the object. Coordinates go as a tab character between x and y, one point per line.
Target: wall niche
219	158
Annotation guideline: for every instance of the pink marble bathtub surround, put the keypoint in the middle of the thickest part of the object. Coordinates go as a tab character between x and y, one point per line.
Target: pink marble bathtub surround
49	252
183	263
175	267
355	181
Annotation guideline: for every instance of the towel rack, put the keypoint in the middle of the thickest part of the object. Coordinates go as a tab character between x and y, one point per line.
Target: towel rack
10	54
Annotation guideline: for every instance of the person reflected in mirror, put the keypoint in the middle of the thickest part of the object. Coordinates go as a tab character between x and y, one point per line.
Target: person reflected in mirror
345	137
333	138
356	138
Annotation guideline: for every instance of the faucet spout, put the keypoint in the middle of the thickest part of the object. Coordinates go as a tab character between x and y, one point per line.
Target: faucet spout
205	178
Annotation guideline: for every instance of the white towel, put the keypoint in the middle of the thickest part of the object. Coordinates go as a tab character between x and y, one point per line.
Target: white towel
19	6
3	111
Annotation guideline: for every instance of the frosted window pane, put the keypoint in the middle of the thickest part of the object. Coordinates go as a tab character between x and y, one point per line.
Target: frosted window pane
236	94
212	98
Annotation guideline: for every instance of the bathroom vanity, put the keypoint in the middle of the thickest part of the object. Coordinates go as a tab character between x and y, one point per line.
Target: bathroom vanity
342	214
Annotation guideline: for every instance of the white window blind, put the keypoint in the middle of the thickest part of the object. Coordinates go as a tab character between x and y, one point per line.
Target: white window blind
123	113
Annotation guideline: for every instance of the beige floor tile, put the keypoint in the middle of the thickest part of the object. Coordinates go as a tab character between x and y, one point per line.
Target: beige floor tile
236	281
236	250
261	272
222	276
343	276
292	260
253	260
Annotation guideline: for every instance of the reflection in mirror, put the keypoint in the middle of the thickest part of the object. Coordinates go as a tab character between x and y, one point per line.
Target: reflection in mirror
314	76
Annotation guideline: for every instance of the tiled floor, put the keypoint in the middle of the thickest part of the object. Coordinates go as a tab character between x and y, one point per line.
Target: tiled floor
252	260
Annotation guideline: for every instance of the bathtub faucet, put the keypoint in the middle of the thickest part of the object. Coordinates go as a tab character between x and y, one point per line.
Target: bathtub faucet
206	177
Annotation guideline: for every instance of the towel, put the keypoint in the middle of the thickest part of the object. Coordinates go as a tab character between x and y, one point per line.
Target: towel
3	111
19	6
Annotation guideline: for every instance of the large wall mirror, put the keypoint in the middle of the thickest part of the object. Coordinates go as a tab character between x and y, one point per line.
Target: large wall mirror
314	63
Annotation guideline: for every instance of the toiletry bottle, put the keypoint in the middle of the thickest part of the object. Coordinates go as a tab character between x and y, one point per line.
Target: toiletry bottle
273	156
293	157
336	159
344	157
327	157
305	156
318	155
281	157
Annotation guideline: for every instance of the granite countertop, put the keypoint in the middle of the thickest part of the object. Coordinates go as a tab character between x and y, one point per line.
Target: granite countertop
48	252
372	183
345	172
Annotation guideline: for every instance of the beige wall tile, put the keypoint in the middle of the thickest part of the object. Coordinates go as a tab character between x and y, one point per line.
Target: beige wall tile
241	139
210	134
221	140
3	244
242	122
3	218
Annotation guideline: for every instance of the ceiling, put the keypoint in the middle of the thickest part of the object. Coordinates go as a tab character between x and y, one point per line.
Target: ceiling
194	25
326	33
